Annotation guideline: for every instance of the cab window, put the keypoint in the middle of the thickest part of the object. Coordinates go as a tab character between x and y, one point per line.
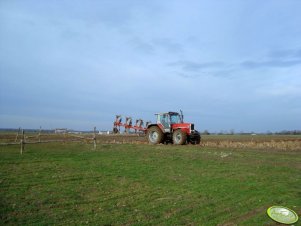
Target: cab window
175	119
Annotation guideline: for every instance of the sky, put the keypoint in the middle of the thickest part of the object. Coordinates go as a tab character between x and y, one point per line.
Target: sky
228	64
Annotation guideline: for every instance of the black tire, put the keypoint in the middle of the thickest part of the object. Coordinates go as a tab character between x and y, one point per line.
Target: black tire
154	135
196	141
115	130
179	137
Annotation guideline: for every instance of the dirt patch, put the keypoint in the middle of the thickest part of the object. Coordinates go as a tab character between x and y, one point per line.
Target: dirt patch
244	217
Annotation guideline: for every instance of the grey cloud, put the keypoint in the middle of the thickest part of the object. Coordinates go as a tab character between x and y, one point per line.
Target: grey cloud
220	68
191	69
298	53
69	34
191	75
145	47
150	47
142	46
269	64
194	67
285	54
275	59
168	45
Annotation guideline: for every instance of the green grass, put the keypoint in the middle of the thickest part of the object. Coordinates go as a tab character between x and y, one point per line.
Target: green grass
129	184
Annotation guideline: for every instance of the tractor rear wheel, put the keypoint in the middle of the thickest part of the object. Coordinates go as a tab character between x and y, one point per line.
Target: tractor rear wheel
179	137
154	135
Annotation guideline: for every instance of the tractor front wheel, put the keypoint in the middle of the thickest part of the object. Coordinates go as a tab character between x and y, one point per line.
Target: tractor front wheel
196	141
154	135
179	137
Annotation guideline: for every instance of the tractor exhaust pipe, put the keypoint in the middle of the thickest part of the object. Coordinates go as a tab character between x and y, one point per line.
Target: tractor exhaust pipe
182	116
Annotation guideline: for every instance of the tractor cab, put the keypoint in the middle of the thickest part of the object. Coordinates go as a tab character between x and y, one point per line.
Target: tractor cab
166	119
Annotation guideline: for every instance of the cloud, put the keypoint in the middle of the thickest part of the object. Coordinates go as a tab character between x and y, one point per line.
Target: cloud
290	89
275	59
168	45
191	66
269	64
193	70
156	45
285	54
142	46
298	53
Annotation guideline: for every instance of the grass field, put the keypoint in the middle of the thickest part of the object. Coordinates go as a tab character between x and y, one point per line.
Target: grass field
131	184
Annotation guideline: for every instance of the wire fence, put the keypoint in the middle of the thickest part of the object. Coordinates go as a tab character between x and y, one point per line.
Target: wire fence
23	139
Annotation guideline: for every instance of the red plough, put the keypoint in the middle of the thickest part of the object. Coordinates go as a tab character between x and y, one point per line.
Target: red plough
128	125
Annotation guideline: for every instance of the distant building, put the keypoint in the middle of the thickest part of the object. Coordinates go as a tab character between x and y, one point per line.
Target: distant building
60	130
104	132
74	132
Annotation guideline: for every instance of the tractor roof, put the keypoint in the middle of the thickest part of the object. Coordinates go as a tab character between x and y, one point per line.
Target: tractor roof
168	113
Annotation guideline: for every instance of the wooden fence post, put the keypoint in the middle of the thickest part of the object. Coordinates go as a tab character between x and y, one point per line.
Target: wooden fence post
17	136
40	134
94	138
64	139
22	142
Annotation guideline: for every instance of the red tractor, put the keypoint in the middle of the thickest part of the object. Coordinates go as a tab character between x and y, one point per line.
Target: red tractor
171	128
